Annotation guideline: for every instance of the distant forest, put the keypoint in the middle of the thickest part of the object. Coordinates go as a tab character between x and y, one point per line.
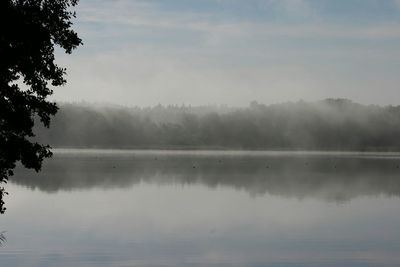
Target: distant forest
331	124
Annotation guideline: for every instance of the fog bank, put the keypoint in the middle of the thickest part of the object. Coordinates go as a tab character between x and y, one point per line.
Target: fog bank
331	124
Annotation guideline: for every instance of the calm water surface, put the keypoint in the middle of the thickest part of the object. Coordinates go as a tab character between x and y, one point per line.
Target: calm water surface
188	208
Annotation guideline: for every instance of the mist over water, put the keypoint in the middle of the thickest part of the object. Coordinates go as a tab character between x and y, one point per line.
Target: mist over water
331	124
327	176
205	208
210	133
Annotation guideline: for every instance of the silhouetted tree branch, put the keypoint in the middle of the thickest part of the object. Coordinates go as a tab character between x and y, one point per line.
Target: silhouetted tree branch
29	32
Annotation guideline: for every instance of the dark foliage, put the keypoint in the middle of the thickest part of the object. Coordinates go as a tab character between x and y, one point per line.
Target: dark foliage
29	32
332	124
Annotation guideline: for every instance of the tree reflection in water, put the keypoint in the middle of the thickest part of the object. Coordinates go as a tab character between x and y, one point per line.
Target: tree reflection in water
3	238
331	176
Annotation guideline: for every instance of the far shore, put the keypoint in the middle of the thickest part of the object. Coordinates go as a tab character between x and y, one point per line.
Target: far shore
219	150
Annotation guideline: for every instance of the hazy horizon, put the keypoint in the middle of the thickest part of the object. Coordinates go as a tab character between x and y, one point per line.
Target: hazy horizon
215	105
330	124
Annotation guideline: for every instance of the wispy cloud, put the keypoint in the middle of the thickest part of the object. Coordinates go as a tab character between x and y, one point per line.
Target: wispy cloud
140	14
234	51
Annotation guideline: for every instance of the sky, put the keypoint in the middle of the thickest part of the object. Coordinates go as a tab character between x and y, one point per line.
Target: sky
231	52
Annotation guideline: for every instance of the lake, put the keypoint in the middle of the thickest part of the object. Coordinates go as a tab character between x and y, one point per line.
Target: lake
204	208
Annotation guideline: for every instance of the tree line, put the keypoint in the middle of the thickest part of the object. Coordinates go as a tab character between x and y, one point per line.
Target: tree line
330	124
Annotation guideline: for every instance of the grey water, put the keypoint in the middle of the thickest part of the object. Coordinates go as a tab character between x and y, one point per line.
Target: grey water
204	208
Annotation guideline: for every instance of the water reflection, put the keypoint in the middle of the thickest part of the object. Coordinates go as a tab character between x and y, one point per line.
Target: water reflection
3	238
331	177
152	208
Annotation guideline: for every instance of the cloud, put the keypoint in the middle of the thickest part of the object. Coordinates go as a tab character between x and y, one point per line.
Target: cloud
142	52
214	27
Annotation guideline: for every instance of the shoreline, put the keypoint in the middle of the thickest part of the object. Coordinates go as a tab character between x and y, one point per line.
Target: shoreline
209	151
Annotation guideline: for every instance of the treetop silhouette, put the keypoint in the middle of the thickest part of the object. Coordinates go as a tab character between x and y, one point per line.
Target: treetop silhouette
29	32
